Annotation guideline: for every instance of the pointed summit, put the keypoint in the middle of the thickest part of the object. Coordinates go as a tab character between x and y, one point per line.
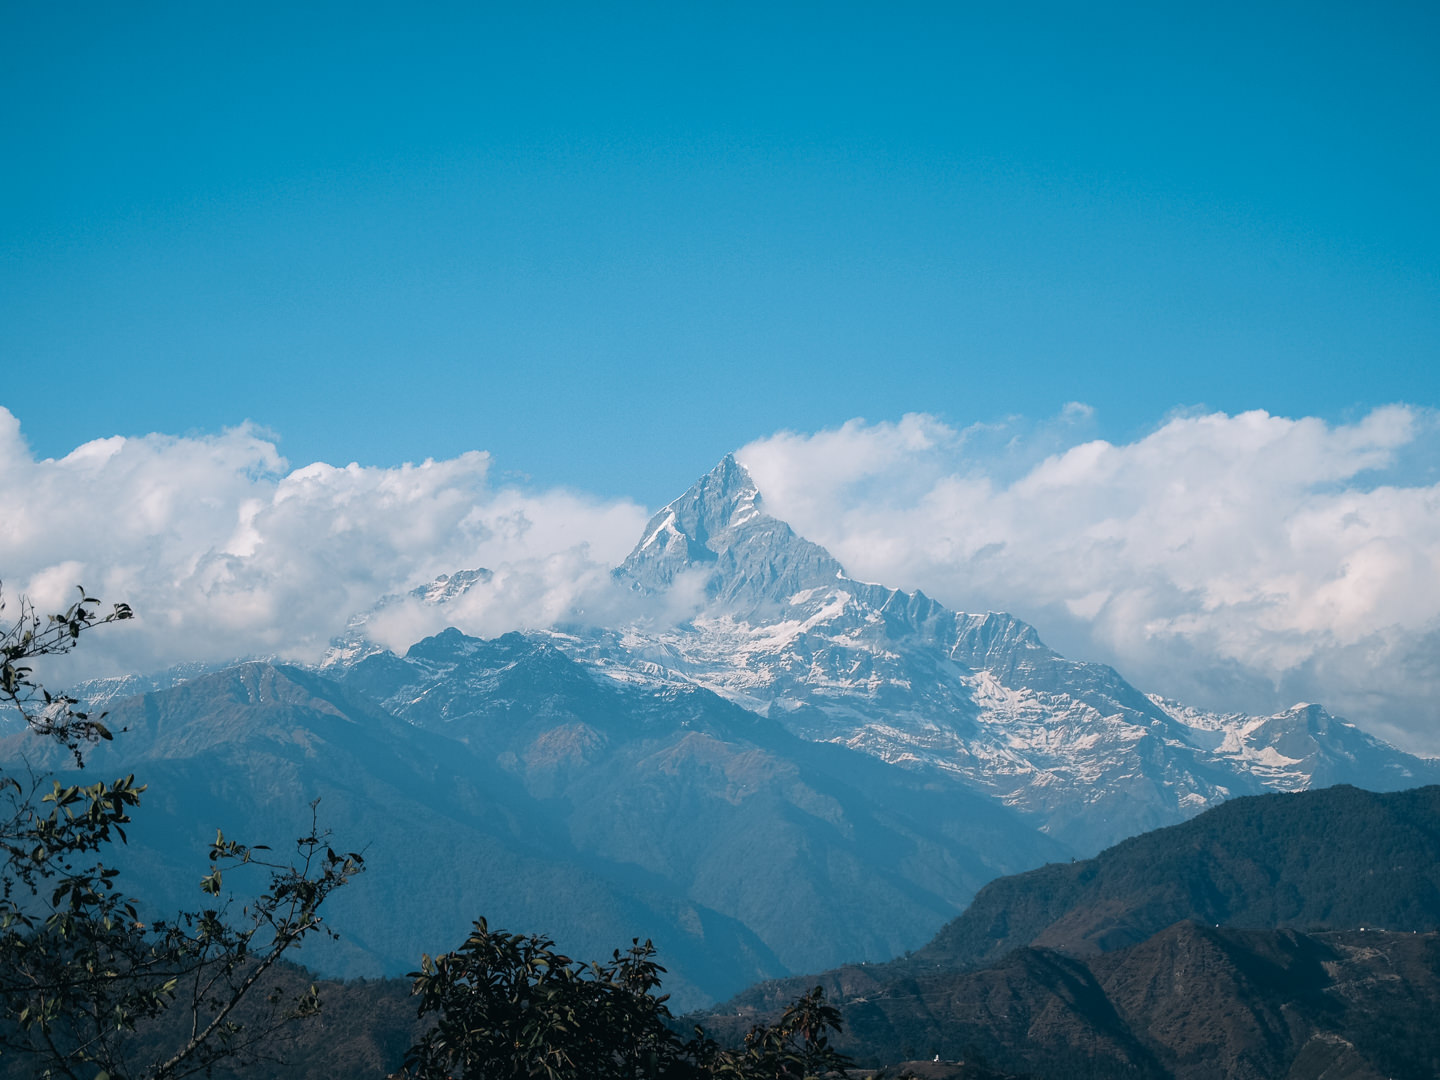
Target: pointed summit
720	528
721	500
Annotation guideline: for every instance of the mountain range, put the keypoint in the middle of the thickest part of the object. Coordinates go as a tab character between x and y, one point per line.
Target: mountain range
775	625
767	766
1283	935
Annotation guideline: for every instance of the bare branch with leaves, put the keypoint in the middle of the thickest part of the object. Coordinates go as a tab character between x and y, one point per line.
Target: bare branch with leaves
82	977
28	636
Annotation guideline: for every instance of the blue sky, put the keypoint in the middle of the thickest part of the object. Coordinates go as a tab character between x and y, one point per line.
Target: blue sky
610	244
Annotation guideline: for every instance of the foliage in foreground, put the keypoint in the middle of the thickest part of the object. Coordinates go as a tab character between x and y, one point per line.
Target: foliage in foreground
510	1005
80	973
89	989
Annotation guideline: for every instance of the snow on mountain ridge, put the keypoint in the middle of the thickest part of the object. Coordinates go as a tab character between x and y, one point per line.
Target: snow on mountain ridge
783	631
755	562
786	632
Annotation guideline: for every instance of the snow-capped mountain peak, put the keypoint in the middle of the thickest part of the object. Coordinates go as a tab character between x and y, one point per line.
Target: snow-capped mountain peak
779	628
719	529
784	631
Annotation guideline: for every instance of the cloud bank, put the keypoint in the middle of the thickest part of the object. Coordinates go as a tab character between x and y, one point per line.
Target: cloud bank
1233	562
223	551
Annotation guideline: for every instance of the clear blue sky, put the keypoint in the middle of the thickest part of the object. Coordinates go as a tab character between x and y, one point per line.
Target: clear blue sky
610	243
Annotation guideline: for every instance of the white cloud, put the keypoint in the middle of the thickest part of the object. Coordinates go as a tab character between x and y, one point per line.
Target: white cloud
224	552
1232	561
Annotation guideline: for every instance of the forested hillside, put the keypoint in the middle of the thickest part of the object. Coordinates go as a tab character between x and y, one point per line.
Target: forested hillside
1280	935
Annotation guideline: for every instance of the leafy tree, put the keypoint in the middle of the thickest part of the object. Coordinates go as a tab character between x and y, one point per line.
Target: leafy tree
81	975
795	1047
509	1005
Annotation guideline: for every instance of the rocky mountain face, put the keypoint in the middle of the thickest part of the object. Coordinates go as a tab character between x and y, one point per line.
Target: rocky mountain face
779	628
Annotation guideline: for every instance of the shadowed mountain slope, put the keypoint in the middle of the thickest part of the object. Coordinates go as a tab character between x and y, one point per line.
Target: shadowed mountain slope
1334	859
1191	1002
501	778
818	849
1115	966
446	836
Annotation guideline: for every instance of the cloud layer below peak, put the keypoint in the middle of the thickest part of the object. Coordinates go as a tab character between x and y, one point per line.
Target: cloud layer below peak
1233	562
224	552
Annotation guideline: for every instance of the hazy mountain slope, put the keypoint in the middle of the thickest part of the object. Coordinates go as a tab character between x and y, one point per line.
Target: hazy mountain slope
515	784
820	850
446	836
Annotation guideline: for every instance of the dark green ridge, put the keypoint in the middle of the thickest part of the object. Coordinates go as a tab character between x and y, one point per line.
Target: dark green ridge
1332	859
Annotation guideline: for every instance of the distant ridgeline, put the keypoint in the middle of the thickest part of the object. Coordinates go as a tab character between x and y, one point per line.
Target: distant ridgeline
807	770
